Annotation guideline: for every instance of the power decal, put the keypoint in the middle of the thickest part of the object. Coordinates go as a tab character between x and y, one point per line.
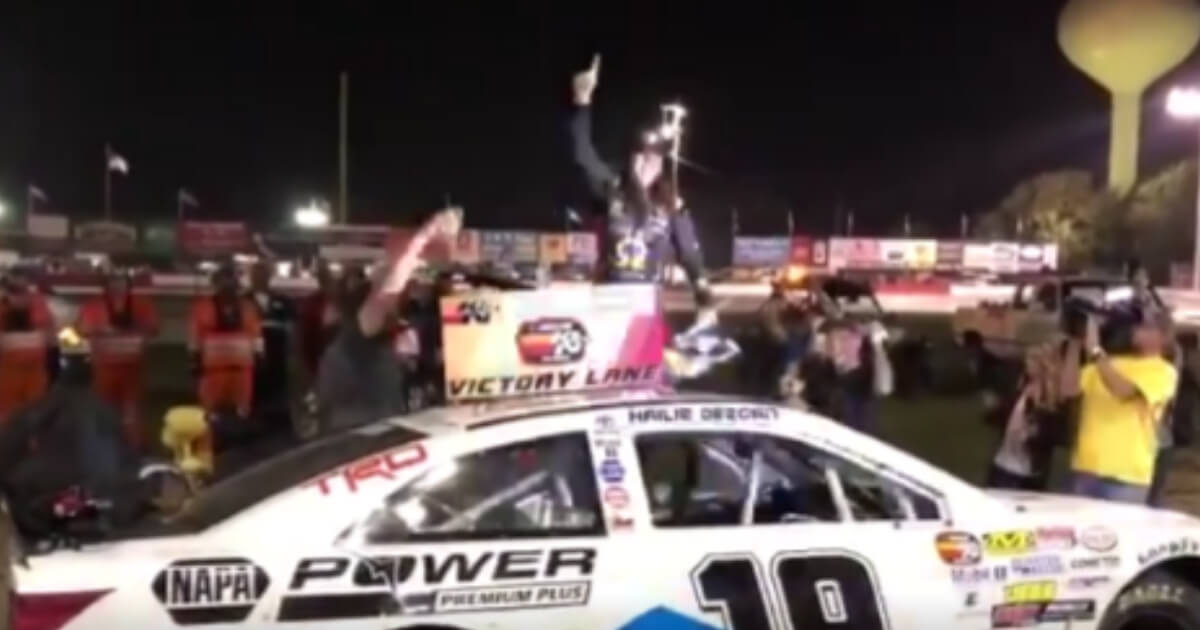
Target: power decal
214	590
338	587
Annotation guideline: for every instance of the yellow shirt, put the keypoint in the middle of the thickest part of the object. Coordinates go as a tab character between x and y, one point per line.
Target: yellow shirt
1118	438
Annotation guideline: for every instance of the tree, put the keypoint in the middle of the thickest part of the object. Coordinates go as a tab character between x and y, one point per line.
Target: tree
1161	217
1064	207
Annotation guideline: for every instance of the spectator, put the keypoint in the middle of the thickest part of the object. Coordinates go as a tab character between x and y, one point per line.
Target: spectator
782	321
318	320
1122	405
272	394
361	377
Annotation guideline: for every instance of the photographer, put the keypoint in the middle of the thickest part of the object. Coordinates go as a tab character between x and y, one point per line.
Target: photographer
1122	404
1038	418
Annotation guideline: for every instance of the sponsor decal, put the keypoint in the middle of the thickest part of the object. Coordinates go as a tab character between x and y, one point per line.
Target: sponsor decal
1010	543
958	548
616	497
724	413
606	425
551	341
1025	592
1098	538
1033	613
365	587
1055	538
1152	593
210	590
977	575
621	523
383	466
1100	562
472	311
1177	547
1088	582
612	471
552	381
971	599
1032	566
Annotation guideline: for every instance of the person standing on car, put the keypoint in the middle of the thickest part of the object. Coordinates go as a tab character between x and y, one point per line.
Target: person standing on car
639	218
117	325
362	377
272	392
26	340
1122	404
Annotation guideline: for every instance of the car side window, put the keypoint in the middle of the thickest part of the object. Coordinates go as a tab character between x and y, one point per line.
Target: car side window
539	488
735	478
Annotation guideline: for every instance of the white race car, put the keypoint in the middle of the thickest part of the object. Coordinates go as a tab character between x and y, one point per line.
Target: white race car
621	511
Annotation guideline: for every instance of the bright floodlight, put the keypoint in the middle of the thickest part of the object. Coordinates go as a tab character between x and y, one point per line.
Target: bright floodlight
3	210
1184	102
312	216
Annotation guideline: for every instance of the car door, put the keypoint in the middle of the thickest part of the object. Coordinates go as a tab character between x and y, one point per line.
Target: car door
767	531
508	534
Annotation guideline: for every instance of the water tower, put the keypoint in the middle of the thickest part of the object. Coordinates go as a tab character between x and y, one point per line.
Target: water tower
1124	45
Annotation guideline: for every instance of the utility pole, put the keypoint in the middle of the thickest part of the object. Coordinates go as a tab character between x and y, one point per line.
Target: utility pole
343	209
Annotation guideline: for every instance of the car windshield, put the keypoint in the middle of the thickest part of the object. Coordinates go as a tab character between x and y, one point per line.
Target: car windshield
272	476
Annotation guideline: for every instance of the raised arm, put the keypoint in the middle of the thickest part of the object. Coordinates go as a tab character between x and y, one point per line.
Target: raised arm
392	278
600	176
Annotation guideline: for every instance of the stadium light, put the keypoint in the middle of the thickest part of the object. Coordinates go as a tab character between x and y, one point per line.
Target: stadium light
3	210
1184	103
312	216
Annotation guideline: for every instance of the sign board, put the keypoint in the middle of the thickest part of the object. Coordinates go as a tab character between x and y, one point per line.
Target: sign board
907	253
52	227
1035	257
213	238
105	236
550	341
949	254
582	248
552	248
761	251
466	248
508	246
159	238
854	253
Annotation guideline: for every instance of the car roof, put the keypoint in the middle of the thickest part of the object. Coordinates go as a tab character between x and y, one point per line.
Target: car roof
457	418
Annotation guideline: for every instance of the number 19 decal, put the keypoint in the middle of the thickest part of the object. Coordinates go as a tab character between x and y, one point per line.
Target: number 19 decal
810	591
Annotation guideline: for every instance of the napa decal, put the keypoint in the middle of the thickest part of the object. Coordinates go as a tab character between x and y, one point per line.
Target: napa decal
1010	543
210	590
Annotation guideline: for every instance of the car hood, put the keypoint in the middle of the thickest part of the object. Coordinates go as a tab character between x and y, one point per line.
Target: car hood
1082	508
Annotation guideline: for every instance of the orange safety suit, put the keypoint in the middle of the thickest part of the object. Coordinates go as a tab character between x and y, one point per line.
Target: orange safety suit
24	344
117	331
226	344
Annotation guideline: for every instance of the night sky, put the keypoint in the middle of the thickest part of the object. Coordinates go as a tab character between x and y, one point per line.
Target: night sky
932	108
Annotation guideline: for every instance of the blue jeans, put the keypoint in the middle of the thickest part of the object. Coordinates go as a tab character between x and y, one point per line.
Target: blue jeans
1096	487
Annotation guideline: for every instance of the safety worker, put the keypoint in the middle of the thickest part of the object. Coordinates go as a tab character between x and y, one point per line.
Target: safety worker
225	341
118	324
26	337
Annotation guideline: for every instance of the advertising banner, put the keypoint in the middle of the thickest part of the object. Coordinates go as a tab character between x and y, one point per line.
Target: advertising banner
552	248
50	227
159	239
107	237
809	251
949	254
350	253
213	238
1035	257
564	339
508	246
582	248
907	253
466	248
761	251
1006	257
854	253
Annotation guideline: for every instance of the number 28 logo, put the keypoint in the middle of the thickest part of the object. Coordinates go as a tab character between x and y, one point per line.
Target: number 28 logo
803	590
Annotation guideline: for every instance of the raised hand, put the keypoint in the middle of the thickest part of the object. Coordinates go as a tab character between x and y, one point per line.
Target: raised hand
584	83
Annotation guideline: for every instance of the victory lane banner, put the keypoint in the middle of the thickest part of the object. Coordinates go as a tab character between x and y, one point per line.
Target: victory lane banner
549	341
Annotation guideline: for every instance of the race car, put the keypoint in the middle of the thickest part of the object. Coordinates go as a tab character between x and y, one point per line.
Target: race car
623	510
